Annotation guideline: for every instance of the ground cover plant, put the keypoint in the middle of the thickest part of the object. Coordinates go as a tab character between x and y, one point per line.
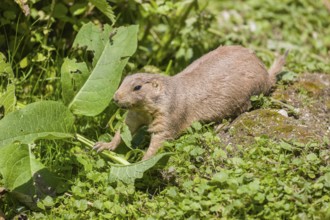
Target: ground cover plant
61	62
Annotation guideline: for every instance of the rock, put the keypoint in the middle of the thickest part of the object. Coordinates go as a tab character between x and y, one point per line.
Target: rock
283	112
310	94
270	123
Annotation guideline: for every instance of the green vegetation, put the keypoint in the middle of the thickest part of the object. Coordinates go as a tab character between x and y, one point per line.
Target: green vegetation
61	62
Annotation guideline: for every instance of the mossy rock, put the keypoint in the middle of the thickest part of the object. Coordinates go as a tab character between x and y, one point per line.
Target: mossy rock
265	122
309	95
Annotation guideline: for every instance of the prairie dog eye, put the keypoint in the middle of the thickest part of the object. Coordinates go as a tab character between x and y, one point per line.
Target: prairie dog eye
136	88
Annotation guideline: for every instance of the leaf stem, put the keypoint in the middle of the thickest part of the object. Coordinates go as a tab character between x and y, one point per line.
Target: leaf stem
109	154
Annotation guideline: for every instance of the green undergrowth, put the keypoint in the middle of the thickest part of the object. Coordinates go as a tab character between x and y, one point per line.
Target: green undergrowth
268	26
260	176
205	180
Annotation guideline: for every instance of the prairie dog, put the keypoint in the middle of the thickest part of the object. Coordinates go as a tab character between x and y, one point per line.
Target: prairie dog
216	86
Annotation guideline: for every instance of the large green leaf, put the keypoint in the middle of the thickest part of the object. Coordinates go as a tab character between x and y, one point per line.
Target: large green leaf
93	39
25	177
45	119
111	54
129	173
73	77
8	99
105	8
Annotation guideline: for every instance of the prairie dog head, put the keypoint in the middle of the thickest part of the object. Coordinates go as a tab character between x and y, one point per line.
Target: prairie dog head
139	90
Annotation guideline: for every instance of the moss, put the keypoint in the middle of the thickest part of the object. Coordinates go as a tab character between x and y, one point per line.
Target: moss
280	93
284	129
311	88
327	104
247	123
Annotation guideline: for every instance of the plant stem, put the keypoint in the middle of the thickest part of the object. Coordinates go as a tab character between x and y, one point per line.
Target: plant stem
109	154
291	108
167	39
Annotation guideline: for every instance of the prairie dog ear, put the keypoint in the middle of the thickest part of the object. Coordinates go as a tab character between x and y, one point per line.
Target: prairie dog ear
155	83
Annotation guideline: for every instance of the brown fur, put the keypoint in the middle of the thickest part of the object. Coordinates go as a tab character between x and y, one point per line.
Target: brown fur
216	86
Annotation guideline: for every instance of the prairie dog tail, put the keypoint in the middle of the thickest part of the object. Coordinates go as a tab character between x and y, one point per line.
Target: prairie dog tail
277	67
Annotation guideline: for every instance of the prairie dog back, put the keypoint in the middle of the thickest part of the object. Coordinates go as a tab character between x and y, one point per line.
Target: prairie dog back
222	82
